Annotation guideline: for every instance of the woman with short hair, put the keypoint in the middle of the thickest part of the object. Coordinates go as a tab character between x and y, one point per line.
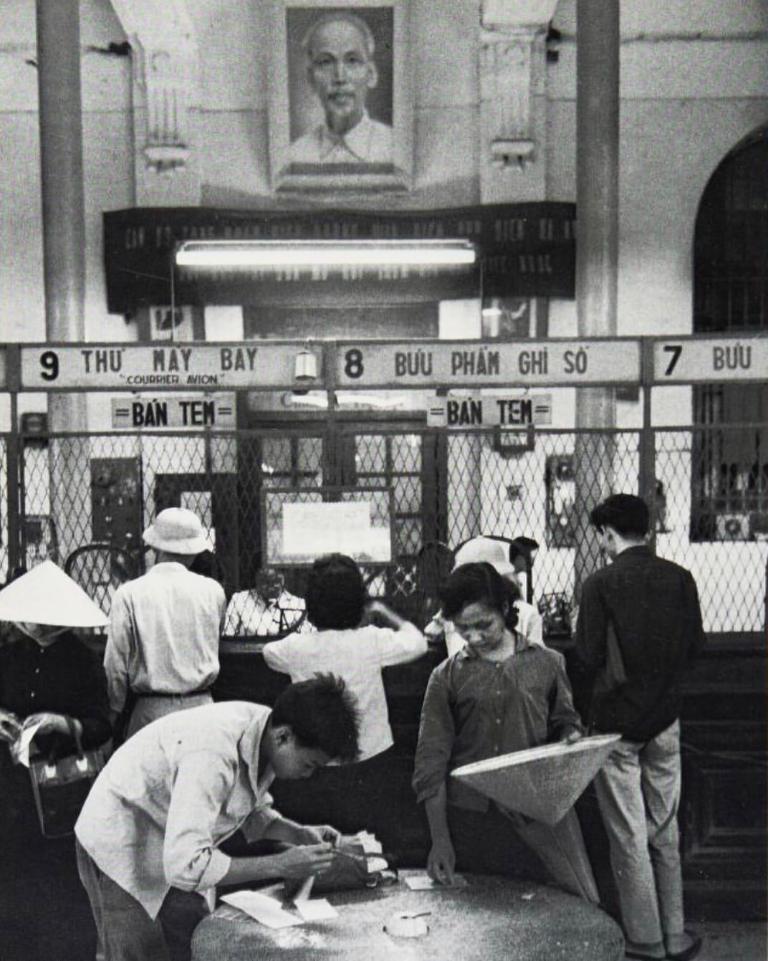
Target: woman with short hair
346	643
497	694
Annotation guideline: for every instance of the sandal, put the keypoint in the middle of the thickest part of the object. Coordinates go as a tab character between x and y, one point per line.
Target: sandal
687	953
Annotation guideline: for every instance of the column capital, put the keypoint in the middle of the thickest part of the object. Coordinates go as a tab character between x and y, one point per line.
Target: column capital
165	94
512	53
512	15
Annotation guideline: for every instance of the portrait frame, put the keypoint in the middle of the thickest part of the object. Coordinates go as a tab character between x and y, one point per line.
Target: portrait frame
295	110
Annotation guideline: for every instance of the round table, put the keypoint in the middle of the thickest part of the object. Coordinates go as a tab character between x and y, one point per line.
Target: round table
492	919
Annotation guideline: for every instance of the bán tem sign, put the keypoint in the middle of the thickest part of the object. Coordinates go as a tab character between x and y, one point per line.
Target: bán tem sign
490	411
187	413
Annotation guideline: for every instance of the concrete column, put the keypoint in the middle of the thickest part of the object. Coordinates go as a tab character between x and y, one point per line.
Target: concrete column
61	177
597	204
61	163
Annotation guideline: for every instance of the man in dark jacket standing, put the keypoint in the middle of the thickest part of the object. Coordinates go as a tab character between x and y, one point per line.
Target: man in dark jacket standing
639	623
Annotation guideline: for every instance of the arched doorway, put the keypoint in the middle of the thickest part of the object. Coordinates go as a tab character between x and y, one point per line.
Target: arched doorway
730	270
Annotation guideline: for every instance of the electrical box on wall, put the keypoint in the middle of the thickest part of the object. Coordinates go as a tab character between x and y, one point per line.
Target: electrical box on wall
732	527
116	501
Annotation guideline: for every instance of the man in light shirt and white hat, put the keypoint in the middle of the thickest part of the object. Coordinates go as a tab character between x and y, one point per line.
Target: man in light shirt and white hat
496	553
163	644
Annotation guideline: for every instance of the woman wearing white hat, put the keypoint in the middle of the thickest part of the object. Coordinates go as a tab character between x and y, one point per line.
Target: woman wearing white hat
48	675
496	553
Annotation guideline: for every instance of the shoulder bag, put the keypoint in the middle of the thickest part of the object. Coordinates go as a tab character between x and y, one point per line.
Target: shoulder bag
61	787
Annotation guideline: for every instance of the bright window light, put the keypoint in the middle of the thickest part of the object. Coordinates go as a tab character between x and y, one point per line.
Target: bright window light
360	253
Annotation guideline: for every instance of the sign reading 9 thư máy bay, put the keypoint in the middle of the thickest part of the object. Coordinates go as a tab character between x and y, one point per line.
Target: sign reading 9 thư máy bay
487	363
160	367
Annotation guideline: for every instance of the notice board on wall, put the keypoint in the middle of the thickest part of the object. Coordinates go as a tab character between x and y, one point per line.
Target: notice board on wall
302	525
524	250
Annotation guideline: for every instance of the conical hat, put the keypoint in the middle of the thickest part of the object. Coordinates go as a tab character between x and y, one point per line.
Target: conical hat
46	595
542	782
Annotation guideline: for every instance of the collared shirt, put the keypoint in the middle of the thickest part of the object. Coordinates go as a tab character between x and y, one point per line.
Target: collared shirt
367	142
248	613
530	627
171	794
358	656
654	607
475	708
164	634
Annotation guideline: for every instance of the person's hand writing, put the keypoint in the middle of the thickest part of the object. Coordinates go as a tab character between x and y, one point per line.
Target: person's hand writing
317	833
304	860
9	726
441	862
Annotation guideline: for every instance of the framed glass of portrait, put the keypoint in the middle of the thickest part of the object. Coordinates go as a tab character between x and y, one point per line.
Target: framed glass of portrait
340	103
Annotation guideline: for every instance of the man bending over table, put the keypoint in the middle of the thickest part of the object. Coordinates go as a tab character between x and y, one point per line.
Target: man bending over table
149	834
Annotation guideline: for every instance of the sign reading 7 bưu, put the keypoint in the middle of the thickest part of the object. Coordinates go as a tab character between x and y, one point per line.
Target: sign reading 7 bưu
487	364
710	359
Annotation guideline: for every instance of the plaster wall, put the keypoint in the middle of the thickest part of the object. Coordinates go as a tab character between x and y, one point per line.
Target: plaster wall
108	171
694	80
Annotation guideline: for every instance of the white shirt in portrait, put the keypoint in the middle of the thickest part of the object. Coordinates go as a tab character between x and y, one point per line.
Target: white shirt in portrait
367	142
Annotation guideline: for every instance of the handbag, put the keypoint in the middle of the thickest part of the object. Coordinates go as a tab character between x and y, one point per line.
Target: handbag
61	787
350	870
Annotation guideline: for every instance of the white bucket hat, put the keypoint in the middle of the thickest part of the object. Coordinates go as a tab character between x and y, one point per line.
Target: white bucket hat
479	549
178	531
46	595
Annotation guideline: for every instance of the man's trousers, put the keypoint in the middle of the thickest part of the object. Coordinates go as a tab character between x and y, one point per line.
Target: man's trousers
126	932
638	791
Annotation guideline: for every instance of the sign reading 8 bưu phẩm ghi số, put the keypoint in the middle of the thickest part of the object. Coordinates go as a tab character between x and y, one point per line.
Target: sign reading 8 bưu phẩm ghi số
487	363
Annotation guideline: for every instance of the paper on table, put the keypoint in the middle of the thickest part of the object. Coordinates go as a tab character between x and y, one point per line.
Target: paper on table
367	841
265	910
21	746
423	882
316	910
305	890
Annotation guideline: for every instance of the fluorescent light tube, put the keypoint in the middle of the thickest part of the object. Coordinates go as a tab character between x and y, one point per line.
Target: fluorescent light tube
425	253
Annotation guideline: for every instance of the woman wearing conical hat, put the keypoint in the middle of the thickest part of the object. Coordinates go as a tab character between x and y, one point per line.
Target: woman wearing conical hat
48	673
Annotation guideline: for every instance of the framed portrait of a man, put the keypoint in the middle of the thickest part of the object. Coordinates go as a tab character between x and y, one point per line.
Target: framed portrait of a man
340	109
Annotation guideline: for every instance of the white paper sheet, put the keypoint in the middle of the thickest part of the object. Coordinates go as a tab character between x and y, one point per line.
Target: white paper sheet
305	890
265	910
318	909
367	841
23	743
423	882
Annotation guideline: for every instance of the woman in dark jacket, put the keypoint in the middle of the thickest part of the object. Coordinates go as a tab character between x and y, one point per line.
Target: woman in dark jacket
48	672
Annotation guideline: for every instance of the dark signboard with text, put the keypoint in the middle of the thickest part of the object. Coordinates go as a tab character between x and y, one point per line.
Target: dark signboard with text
525	250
